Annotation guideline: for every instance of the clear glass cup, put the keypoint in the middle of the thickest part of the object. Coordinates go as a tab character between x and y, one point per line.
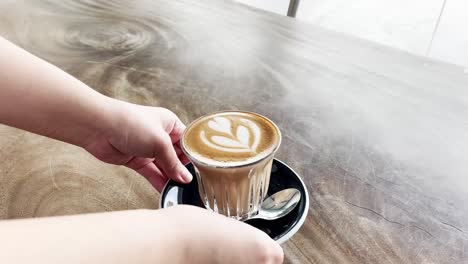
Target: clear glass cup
236	191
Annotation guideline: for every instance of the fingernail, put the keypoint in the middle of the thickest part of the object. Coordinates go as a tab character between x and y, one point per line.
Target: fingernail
186	176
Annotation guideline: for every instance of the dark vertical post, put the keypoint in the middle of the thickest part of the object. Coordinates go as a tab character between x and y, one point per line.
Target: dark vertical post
292	9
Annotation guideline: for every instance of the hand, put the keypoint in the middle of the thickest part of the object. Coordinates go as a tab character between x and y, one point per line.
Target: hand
145	139
207	237
177	235
52	103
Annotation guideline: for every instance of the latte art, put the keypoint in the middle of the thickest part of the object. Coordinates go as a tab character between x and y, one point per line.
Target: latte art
231	137
244	138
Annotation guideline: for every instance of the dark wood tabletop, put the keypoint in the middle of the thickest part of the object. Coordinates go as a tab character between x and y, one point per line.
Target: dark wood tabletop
379	136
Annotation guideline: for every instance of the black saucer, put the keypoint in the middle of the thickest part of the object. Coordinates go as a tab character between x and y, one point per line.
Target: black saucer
282	177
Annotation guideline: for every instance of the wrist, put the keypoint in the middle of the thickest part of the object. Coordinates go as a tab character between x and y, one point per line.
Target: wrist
100	120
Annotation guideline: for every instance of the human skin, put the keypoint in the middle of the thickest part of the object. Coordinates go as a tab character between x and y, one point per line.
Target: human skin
138	236
39	97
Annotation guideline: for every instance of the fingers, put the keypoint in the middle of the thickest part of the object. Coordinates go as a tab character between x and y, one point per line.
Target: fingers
277	254
176	135
149	170
184	159
168	161
180	153
154	176
177	131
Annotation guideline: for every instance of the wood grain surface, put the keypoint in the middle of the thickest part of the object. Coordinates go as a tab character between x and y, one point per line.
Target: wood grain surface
379	136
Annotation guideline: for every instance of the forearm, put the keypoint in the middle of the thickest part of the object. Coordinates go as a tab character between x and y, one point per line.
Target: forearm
120	237
38	97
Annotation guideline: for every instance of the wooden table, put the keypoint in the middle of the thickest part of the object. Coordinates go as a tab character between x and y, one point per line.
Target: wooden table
379	136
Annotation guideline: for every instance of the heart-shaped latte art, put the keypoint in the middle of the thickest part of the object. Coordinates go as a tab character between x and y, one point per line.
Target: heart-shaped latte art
245	139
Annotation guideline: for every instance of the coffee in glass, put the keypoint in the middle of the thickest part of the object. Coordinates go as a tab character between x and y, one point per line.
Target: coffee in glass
232	153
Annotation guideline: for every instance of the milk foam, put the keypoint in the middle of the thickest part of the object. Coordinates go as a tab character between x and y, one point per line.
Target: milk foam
231	138
223	138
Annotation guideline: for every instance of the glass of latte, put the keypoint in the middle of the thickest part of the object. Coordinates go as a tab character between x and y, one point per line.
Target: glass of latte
232	153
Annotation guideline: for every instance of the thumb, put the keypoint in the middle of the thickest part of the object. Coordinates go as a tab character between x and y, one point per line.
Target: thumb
165	157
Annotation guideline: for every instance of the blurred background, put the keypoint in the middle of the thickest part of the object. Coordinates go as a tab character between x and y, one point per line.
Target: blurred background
432	28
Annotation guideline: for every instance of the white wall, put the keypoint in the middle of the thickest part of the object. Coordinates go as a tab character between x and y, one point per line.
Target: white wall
403	24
